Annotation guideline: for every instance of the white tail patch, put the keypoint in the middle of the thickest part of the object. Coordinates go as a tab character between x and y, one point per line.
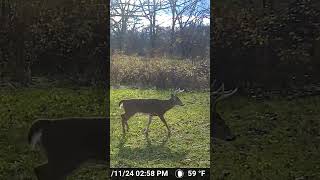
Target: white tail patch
121	105
36	138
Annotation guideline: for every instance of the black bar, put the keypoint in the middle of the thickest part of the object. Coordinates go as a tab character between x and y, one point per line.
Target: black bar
159	173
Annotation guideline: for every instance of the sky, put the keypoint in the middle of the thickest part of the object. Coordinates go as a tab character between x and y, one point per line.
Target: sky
164	20
164	17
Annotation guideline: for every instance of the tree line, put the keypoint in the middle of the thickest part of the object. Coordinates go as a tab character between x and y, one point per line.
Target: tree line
59	40
271	44
266	44
136	28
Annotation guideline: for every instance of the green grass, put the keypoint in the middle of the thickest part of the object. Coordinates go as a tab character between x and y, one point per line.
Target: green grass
19	108
277	139
188	145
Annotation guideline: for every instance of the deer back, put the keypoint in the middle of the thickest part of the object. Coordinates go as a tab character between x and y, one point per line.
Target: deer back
149	106
83	136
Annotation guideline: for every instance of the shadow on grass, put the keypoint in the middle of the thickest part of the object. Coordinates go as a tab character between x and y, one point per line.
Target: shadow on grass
150	151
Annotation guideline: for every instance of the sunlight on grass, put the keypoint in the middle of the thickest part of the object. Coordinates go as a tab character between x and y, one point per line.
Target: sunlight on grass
188	145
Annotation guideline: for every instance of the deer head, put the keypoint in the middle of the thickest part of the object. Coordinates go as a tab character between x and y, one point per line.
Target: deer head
220	129
175	99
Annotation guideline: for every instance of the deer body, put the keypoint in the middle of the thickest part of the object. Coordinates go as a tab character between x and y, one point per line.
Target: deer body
152	107
68	143
148	106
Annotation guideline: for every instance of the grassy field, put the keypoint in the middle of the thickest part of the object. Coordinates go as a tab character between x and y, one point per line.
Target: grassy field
19	108
277	139
188	145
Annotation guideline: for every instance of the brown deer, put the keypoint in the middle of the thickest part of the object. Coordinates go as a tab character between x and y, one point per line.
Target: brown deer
220	129
152	107
68	143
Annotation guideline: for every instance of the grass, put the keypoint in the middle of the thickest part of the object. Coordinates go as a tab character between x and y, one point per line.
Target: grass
188	145
277	139
19	108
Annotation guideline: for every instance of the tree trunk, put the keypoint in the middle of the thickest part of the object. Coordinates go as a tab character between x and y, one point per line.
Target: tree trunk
22	69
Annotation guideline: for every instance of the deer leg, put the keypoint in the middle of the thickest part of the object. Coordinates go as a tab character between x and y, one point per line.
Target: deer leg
42	171
60	168
165	123
149	122
48	172
126	122
123	117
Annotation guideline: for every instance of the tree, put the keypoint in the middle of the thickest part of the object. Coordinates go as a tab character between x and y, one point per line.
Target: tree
150	8
121	13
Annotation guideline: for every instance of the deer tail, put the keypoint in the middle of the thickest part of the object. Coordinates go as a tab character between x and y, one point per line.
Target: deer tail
36	131
121	104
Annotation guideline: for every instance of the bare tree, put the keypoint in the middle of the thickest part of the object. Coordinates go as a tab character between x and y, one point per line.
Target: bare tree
138	23
173	8
183	11
186	13
122	11
150	8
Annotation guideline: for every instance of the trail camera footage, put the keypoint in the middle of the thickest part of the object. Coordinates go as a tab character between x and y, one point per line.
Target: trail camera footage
160	72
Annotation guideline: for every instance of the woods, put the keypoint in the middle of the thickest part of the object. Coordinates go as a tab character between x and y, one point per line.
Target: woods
266	44
63	40
143	28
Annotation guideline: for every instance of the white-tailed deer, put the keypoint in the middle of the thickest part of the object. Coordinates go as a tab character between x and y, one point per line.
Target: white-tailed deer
220	129
68	143
152	107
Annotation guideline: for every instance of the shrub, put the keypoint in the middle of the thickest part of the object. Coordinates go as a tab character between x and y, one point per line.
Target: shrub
159	72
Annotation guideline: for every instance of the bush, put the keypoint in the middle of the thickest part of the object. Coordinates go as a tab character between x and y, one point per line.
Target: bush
159	72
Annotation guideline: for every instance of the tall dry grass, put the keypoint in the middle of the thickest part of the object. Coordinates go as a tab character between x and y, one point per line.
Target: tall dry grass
161	73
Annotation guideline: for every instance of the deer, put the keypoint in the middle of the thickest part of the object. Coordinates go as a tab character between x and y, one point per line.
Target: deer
67	143
220	130
152	107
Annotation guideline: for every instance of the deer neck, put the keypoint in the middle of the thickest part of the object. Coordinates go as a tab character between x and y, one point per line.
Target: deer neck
214	106
168	104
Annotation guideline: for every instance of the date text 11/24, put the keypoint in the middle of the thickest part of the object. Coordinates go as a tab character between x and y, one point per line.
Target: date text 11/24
139	173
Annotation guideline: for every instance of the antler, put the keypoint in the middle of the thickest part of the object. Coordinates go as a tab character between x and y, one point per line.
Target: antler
220	93
177	91
226	94
216	92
